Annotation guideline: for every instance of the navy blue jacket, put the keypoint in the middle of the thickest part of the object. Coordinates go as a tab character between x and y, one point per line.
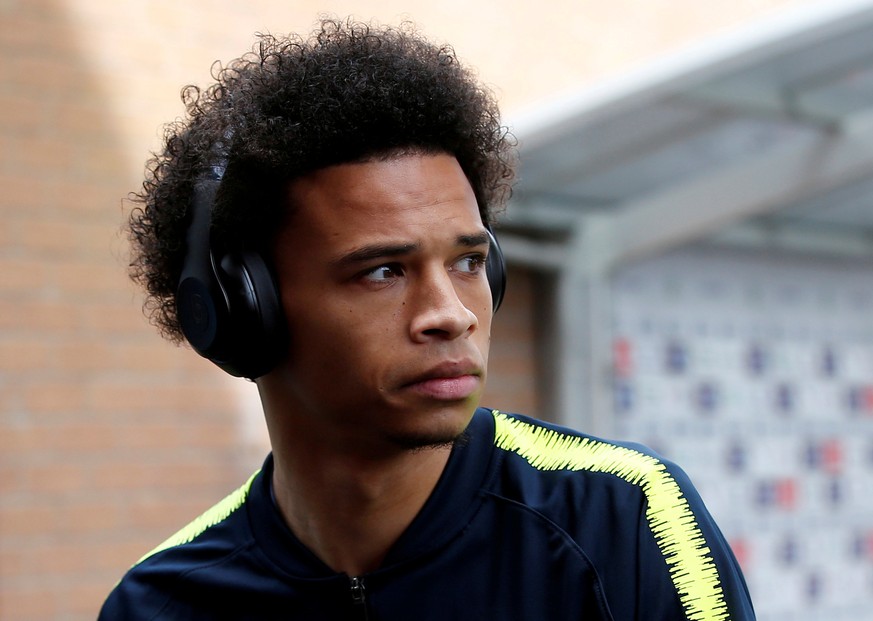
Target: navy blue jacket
529	521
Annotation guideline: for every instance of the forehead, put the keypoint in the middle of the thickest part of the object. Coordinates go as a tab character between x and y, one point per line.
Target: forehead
407	195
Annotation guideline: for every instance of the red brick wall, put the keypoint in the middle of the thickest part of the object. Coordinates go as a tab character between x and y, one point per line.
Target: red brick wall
512	373
110	439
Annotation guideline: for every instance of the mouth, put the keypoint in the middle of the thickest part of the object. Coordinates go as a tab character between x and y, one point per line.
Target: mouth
451	381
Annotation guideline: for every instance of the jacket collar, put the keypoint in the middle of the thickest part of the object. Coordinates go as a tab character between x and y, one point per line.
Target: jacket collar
452	505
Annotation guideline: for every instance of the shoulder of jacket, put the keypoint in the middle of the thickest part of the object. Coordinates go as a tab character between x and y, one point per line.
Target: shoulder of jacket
549	447
668	494
208	519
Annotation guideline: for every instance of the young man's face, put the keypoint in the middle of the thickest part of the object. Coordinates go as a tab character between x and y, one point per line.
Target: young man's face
382	277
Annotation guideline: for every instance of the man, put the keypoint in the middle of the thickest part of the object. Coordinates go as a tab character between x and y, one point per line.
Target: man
320	224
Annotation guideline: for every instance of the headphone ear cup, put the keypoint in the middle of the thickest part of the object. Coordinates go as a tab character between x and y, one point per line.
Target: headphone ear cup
257	326
201	304
202	313
495	271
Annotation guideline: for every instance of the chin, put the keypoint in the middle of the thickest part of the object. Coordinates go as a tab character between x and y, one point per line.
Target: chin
446	430
422	441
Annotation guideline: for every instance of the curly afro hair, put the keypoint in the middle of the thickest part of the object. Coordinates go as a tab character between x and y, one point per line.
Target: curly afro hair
350	92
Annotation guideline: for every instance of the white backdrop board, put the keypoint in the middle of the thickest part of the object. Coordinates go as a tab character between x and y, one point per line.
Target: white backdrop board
755	373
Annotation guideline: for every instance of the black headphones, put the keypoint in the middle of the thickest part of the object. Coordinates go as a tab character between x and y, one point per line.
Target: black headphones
228	304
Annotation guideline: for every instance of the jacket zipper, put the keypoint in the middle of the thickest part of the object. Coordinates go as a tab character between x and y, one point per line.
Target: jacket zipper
359	598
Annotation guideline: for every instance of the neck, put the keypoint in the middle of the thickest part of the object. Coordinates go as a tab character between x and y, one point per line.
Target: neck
350	513
347	495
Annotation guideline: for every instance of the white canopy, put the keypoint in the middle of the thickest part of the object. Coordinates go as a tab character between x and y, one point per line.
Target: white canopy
761	138
769	130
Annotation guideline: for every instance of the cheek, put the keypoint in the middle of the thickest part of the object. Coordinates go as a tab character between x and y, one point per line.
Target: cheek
483	334
340	338
483	338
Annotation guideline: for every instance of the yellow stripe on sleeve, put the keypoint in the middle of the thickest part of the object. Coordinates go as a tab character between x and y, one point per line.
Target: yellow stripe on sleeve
669	516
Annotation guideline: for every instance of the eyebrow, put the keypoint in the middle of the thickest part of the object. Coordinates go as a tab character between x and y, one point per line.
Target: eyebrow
379	251
470	241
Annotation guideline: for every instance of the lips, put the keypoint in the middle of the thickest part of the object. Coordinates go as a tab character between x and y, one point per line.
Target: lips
450	381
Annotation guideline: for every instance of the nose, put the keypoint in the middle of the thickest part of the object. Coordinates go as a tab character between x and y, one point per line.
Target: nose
438	312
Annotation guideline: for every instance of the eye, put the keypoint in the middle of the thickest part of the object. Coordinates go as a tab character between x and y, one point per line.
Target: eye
471	264
383	273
